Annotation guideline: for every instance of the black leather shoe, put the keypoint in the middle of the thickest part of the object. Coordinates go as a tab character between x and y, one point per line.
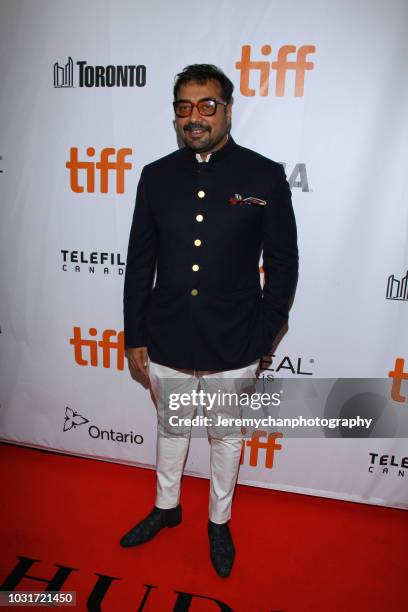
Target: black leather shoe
222	551
151	525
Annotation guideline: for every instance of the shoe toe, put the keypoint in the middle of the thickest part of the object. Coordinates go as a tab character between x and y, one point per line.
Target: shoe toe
223	567
132	538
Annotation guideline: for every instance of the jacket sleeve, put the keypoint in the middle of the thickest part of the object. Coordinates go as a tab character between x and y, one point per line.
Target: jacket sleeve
140	268
280	258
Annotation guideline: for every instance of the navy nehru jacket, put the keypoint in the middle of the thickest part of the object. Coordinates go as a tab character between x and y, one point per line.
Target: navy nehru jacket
204	225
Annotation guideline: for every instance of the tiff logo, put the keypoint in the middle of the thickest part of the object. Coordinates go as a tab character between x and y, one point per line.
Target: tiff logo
270	446
106	345
397	289
64	75
117	165
398	375
281	65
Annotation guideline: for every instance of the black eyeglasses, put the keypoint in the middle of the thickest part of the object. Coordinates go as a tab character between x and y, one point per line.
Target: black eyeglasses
206	107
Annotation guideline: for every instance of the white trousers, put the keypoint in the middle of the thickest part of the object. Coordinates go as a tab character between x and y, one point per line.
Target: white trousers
226	446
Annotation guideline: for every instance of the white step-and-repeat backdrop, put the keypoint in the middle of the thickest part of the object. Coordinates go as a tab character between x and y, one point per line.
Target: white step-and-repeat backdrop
86	102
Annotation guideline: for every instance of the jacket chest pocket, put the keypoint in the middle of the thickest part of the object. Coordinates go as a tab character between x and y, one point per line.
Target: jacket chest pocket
243	215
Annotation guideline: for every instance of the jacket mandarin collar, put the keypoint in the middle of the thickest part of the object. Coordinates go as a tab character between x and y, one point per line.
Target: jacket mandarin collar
216	156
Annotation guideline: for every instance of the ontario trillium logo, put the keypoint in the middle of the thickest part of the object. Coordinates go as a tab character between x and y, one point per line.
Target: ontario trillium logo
73	419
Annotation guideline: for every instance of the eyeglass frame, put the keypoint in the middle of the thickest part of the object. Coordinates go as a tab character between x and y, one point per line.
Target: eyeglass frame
195	104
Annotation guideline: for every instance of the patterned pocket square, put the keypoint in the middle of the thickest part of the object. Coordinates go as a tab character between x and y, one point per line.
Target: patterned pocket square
238	199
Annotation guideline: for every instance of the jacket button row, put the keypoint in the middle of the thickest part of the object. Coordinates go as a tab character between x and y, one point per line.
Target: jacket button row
197	243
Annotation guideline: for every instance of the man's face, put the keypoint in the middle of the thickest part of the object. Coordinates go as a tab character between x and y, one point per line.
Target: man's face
203	134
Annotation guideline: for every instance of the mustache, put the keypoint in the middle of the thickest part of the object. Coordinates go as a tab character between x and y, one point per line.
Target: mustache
195	126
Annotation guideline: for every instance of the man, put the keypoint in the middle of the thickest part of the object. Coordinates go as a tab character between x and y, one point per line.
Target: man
203	215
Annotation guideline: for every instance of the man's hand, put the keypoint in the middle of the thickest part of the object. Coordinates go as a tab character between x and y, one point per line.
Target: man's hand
138	360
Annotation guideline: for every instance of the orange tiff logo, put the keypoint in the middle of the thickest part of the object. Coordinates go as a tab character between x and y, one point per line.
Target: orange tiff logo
270	446
110	161
246	65
398	375
96	347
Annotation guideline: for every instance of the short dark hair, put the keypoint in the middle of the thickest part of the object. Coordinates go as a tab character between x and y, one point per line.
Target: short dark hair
201	73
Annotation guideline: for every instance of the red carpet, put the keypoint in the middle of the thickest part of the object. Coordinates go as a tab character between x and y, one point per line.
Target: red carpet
294	553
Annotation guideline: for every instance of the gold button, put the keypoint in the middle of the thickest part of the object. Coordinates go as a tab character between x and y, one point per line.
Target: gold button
201	193
194	292
199	218
197	242
196	268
